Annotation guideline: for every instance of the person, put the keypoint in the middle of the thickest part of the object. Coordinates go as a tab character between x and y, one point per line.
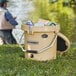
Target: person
7	24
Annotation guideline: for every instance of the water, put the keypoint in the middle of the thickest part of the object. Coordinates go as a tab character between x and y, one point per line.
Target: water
21	9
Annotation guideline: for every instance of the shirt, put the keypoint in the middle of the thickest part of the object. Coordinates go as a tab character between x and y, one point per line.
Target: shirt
9	17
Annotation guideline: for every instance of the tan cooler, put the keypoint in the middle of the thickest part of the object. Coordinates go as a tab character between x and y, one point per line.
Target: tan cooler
41	42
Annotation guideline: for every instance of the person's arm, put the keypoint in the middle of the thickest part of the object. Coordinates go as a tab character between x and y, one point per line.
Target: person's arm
10	18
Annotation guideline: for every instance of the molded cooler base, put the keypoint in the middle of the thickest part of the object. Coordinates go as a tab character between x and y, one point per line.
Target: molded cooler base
44	56
36	42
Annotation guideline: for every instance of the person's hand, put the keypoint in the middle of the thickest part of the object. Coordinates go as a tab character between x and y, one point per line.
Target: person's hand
15	17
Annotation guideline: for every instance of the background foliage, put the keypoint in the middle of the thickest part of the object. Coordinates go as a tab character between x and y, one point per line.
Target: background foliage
60	11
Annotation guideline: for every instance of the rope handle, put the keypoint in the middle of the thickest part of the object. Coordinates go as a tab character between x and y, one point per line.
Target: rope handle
36	51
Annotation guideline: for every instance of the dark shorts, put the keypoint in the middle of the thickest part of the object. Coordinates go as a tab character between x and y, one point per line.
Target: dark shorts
7	37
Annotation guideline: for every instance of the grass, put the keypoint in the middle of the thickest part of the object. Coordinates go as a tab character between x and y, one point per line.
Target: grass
13	63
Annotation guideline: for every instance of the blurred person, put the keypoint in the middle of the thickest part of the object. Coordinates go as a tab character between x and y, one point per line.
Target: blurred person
7	24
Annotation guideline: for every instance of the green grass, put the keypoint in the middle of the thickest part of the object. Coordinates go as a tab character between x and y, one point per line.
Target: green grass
13	63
